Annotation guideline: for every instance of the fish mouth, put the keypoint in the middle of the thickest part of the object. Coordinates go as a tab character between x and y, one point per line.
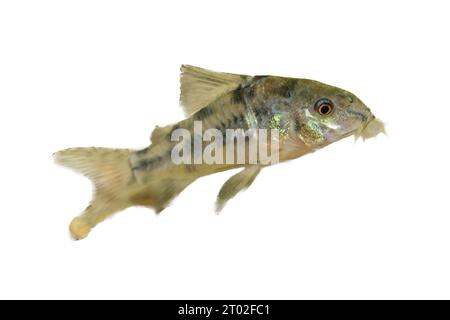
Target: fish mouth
368	120
371	129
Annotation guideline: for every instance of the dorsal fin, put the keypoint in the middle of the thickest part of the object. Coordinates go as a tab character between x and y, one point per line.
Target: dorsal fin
199	87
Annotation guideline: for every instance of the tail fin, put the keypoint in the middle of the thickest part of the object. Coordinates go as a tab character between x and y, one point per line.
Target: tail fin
110	172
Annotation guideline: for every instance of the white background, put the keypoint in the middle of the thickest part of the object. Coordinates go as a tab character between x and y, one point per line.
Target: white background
364	220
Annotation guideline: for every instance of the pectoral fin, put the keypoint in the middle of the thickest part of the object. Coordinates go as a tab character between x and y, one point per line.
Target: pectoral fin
235	184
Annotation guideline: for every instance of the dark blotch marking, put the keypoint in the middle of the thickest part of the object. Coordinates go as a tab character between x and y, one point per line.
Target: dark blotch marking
258	112
261	114
286	89
222	128
242	122
147	164
297	124
230	124
204	113
143	164
142	151
238	96
250	91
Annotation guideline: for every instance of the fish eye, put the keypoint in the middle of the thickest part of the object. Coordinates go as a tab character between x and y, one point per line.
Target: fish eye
324	107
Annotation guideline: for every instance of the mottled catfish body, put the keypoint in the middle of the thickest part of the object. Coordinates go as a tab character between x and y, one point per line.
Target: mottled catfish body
306	114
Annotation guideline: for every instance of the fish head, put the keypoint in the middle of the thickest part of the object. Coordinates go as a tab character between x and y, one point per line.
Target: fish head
328	114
